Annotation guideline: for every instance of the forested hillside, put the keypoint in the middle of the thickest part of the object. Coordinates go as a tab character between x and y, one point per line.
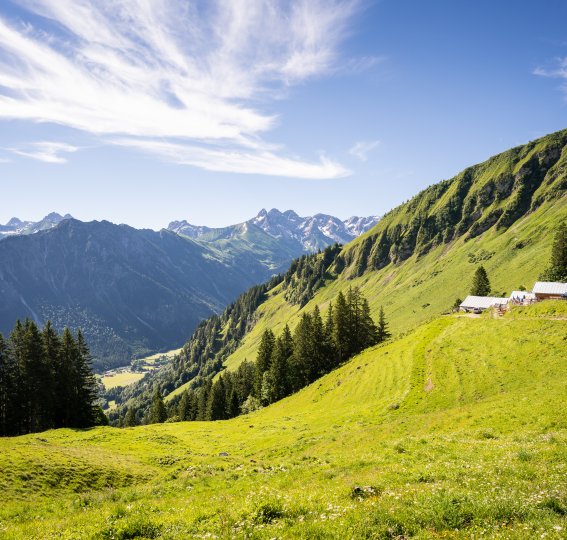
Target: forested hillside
418	259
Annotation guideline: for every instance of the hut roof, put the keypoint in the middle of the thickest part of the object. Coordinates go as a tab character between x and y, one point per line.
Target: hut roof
550	287
482	302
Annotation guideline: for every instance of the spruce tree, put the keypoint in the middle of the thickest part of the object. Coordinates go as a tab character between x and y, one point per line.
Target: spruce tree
329	349
233	404
183	409
280	368
480	284
263	359
302	348
157	413
317	355
8	377
130	419
36	379
382	332
557	269
203	400
341	328
354	321
87	387
66	382
217	401
52	348
369	330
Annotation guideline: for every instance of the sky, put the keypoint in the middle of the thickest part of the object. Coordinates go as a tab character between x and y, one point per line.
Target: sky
149	111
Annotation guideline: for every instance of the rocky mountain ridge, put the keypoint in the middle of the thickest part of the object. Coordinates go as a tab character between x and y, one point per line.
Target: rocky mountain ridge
311	232
16	226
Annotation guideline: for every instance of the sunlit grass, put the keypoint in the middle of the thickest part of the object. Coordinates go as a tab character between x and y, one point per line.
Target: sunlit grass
457	430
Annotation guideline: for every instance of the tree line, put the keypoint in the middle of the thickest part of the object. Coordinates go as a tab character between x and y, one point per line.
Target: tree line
284	364
46	381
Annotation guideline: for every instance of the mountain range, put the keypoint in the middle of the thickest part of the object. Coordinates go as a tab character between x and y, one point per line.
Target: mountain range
311	233
134	292
16	226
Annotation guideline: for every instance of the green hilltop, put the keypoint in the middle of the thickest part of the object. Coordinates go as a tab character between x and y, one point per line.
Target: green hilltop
456	430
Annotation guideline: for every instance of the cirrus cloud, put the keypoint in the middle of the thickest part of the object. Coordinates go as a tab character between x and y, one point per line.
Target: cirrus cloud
176	78
361	149
47	151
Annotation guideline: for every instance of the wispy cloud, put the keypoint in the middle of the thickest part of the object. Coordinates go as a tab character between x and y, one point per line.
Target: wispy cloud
361	149
46	151
252	162
173	74
557	71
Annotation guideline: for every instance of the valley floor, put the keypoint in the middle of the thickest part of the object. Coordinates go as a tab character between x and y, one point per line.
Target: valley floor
457	430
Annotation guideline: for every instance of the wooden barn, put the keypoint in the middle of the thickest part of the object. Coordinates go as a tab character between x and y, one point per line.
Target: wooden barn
550	290
476	304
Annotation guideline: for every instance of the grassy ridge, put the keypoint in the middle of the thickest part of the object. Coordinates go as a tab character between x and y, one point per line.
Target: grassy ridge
421	255
458	427
421	288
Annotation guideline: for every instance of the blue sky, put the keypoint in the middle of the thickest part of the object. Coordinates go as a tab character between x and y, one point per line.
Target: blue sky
143	112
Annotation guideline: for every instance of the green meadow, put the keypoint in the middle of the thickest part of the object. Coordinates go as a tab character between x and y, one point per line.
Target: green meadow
455	430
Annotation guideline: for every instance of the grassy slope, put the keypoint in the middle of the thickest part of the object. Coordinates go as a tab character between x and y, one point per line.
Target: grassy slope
419	289
460	426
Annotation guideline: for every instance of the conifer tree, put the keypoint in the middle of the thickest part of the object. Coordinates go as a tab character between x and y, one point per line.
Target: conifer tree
245	380
233	405
341	328
354	321
382	332
557	269
183	409
157	413
203	400
302	341
217	401
280	368
66	381
130	419
36	378
369	330
481	284
46	381
8	376
328	345
317	353
264	358
87	388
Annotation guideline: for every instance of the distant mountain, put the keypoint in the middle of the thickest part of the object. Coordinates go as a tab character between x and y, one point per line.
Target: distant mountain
16	226
307	234
131	291
135	292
